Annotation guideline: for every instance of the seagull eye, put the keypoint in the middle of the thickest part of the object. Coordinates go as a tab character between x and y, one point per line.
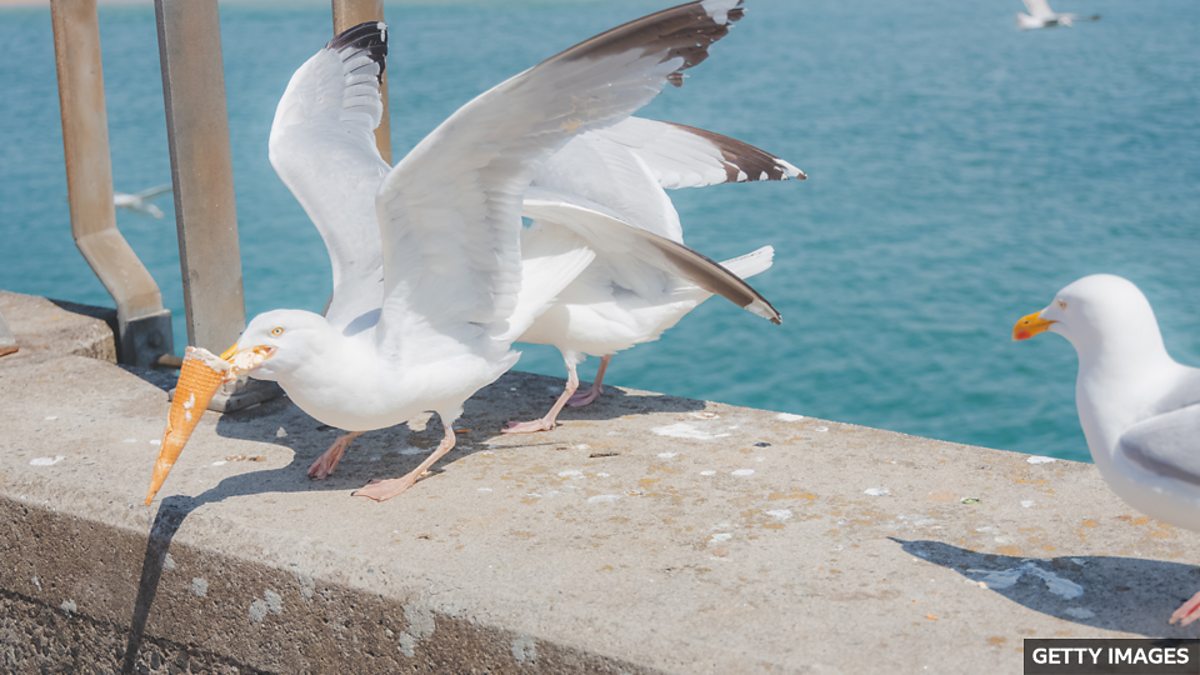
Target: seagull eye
277	331
1062	304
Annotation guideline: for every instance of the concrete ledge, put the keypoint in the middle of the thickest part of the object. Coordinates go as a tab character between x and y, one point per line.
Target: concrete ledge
647	533
43	326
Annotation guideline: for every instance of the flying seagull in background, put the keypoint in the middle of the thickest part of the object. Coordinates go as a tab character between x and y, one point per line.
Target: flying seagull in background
1139	408
140	201
1041	16
623	298
440	232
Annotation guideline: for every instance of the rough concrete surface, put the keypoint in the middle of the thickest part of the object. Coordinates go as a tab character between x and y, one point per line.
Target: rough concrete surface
41	325
646	533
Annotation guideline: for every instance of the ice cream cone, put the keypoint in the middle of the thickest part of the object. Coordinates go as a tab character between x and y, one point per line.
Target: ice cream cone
199	378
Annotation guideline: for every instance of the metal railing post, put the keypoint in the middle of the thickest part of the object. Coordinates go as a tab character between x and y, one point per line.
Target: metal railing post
143	325
189	45
348	13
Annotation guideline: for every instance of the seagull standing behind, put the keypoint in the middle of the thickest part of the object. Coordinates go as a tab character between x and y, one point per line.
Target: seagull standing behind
442	229
140	201
1139	408
624	299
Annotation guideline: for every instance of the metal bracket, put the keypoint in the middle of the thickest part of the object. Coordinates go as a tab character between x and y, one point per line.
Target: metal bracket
141	336
142	341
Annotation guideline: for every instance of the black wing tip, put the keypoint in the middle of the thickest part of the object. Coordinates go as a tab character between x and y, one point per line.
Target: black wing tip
763	307
370	37
745	163
685	32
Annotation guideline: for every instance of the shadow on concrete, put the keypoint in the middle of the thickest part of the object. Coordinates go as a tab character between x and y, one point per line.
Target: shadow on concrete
106	314
387	453
1133	595
163	378
538	392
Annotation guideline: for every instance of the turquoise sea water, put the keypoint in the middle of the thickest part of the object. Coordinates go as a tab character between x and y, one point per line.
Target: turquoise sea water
961	171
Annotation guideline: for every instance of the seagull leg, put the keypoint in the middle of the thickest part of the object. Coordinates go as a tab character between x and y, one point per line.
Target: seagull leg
328	461
1187	612
379	490
586	398
547	422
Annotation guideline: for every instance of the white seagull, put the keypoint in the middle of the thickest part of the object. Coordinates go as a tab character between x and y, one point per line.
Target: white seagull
1139	408
140	201
623	298
442	229
1041	16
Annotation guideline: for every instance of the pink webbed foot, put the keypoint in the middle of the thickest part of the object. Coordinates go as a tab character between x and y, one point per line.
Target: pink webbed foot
381	490
530	427
588	397
550	419
1187	612
328	461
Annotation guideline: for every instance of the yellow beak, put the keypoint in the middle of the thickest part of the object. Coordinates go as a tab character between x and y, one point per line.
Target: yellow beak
1030	325
227	355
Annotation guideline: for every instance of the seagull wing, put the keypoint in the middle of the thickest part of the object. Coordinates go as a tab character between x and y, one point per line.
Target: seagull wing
450	211
1167	444
615	240
627	165
322	145
680	156
1039	9
151	193
596	168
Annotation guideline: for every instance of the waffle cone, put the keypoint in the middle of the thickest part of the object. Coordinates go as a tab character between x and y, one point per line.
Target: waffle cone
199	378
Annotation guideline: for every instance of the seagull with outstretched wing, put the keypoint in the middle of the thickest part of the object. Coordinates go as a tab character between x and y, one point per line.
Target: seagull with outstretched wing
140	201
599	185
440	233
1041	16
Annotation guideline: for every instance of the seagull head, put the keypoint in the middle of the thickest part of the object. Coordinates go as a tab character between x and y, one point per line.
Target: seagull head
278	342
1101	311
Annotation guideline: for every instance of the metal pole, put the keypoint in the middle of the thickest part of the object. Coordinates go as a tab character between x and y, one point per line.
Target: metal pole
189	46
349	13
143	326
189	43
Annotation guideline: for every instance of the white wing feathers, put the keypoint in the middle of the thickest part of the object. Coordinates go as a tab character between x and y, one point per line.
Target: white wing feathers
322	146
626	166
596	168
551	258
1039	9
450	211
680	156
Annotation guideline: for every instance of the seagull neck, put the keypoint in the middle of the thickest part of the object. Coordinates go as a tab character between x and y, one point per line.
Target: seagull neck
1123	353
1120	381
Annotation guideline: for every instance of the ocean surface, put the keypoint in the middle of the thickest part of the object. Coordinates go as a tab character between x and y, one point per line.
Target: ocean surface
961	172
